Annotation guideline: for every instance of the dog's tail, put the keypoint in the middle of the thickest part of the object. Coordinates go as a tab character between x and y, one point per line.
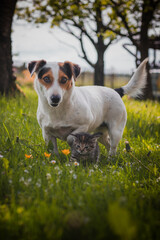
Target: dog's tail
137	83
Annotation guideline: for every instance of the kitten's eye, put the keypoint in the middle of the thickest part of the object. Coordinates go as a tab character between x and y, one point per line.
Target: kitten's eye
63	80
47	79
86	147
78	146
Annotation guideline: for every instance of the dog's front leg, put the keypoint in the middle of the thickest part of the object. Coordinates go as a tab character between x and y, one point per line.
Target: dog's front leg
54	141
47	137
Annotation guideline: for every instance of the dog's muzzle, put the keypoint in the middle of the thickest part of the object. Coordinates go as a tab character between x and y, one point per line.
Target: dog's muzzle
55	100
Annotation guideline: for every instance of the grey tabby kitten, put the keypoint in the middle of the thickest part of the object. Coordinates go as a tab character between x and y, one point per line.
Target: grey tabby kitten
85	147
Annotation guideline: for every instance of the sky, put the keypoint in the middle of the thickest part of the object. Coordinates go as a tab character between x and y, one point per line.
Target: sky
31	43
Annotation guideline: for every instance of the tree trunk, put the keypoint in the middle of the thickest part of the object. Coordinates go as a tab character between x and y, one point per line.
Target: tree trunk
144	47
7	80
99	66
99	72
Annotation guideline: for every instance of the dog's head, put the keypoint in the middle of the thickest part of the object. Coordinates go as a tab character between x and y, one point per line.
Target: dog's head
55	79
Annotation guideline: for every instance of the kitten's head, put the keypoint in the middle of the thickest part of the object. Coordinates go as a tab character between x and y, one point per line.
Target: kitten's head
85	143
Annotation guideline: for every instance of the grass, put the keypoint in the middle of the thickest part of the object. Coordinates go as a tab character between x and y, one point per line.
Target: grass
39	199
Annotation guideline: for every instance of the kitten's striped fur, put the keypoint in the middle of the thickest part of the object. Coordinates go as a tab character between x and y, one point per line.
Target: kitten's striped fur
85	147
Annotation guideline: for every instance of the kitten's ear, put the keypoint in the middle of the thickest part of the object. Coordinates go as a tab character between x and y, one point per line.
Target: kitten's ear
95	136
74	136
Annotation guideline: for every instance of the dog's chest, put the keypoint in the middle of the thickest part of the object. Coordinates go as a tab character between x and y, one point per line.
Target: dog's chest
57	125
60	132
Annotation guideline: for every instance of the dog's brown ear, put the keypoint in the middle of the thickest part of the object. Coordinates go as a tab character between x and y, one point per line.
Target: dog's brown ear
76	70
35	66
71	69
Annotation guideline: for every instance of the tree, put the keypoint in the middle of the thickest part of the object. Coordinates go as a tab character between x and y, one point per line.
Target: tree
137	20
7	80
80	18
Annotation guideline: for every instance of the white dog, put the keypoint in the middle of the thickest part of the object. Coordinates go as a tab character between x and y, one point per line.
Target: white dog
64	109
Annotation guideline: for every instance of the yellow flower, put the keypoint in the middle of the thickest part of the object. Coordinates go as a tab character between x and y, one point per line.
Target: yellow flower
47	154
28	156
20	210
65	151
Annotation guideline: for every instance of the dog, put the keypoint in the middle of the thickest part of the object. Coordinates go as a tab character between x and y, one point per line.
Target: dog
64	109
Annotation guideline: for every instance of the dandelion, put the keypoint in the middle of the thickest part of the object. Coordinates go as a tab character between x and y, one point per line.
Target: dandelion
74	176
158	179
65	151
59	172
90	172
57	168
76	164
1	156
68	164
29	180
26	171
47	154
10	181
86	183
48	176
26	183
28	156
95	166
53	161
38	184
21	179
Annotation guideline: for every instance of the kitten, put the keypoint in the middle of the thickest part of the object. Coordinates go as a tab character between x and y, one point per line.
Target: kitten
85	147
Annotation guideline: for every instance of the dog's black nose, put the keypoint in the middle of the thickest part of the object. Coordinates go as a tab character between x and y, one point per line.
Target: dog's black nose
55	99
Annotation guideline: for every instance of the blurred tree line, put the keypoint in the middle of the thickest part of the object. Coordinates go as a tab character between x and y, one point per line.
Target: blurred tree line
102	22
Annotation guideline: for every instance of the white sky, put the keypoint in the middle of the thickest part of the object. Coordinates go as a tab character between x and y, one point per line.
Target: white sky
32	43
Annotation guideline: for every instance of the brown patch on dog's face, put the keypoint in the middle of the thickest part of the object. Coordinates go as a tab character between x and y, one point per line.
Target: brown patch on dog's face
65	75
70	69
45	77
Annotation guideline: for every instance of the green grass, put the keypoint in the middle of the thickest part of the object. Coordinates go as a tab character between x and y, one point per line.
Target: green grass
119	199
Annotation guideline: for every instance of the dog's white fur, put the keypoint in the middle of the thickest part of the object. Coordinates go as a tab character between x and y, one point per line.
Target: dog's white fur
85	109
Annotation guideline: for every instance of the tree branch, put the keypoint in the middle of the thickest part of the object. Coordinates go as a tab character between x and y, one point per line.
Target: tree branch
120	14
84	53
83	30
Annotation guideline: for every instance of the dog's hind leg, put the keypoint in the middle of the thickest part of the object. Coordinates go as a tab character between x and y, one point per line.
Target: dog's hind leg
115	133
105	140
115	137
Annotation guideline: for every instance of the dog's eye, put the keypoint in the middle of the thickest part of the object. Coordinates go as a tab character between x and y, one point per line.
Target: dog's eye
47	79
63	80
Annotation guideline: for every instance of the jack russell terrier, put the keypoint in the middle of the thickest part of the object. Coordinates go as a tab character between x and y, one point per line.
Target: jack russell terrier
64	109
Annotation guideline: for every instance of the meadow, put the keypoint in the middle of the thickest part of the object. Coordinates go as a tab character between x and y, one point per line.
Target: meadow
45	197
